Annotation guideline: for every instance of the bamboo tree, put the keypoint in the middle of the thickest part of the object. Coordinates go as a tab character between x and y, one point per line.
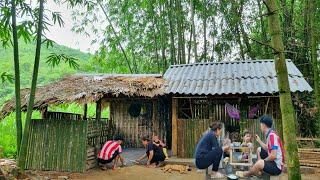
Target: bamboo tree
263	31
16	74
287	111
163	37
193	29
243	32
180	31
306	39
205	17
25	138
171	29
313	46
117	37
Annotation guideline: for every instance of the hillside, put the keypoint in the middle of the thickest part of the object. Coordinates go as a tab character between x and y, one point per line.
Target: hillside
46	73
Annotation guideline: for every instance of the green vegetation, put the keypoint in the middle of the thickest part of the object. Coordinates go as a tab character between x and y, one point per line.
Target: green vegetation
47	74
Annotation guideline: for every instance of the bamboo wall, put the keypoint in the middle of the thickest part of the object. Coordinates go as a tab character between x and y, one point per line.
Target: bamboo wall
57	145
191	130
134	128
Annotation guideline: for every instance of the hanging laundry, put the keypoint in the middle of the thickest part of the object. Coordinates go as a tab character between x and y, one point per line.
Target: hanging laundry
232	111
253	112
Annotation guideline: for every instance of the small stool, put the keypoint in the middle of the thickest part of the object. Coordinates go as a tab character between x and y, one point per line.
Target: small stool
269	177
274	177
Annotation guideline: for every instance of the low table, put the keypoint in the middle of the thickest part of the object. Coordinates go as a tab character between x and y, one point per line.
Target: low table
237	152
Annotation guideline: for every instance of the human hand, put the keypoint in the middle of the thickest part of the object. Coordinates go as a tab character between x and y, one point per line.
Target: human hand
257	138
225	148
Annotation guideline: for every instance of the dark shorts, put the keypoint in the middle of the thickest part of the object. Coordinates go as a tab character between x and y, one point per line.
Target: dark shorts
270	167
157	158
102	161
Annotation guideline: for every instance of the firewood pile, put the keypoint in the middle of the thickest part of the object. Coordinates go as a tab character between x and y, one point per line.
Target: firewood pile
309	157
91	158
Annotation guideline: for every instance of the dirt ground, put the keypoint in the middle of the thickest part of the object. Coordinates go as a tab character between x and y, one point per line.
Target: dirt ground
138	173
143	173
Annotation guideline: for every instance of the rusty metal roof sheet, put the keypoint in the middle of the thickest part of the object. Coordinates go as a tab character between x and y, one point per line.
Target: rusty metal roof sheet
238	77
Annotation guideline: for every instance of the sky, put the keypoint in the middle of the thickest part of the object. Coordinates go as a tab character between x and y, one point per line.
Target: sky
64	35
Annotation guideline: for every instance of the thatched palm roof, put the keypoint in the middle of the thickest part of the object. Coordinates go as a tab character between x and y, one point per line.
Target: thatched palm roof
84	88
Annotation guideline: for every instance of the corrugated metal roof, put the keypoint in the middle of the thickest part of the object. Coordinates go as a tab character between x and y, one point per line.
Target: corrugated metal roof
238	77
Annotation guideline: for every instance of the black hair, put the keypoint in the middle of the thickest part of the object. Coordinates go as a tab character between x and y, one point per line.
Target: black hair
118	138
216	125
267	120
145	138
246	132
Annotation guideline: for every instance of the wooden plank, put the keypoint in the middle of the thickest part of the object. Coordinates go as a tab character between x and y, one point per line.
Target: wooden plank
174	127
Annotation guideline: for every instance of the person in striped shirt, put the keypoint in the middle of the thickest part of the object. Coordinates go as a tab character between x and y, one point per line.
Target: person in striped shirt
111	151
271	155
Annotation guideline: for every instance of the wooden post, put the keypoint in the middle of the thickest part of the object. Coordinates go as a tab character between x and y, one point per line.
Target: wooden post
98	118
44	112
174	127
85	111
98	110
155	124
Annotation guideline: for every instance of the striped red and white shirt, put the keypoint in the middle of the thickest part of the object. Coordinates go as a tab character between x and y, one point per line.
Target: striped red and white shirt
274	143
108	149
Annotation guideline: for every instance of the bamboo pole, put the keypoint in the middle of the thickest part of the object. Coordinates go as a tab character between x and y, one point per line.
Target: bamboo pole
174	127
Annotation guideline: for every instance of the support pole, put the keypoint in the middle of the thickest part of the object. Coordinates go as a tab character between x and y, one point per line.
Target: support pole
85	111
174	127
98	110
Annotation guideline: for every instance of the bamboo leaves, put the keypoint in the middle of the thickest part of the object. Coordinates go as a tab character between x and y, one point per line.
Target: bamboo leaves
54	60
6	77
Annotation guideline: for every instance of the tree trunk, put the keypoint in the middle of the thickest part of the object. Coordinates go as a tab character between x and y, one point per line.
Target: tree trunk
163	38
172	44
212	59
134	62
25	138
155	41
287	111
16	74
189	47
242	54
193	29
263	30
305	54
180	30
204	56
243	32
313	45
117	37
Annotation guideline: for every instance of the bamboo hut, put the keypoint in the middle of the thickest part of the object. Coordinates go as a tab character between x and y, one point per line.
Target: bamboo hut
235	93
69	142
179	105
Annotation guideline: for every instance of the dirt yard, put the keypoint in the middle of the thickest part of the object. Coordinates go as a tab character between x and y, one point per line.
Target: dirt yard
142	173
137	172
